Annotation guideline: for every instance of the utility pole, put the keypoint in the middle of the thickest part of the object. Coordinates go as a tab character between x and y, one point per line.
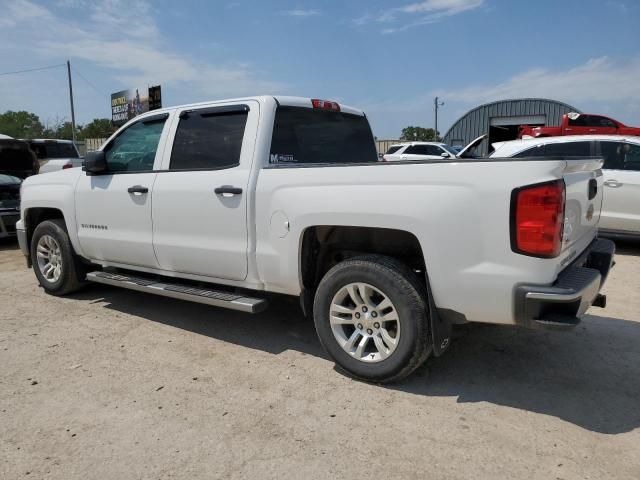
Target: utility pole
73	115
436	105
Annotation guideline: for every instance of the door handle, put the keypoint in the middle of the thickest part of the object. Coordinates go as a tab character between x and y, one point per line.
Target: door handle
138	189
613	183
228	190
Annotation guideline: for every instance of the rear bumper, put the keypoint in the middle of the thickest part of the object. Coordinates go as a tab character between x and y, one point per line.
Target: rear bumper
568	298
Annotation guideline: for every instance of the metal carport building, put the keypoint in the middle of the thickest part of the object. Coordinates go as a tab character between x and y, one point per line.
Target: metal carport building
501	119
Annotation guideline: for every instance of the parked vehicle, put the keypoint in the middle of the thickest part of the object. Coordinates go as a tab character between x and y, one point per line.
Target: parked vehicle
419	151
621	202
222	202
580	124
55	154
16	159
9	204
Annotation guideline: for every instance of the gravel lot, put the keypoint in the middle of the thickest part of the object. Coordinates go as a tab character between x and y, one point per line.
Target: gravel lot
112	384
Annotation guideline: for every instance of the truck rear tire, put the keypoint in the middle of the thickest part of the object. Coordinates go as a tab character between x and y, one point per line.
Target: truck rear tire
58	269
372	318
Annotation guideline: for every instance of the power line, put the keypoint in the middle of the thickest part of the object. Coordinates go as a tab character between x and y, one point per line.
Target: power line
33	69
88	82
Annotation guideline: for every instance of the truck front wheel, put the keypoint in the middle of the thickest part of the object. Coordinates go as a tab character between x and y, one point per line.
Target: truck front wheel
372	318
57	267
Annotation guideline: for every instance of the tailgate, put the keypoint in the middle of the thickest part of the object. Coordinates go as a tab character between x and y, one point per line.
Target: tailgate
584	185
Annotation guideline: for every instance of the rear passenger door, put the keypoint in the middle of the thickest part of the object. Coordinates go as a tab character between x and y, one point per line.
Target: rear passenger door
201	197
621	203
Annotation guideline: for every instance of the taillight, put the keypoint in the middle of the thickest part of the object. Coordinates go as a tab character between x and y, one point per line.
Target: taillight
537	219
325	105
67	165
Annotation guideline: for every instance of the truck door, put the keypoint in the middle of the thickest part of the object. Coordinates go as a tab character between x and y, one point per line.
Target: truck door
620	206
113	210
201	198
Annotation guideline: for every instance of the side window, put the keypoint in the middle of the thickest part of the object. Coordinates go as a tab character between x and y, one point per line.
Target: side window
631	156
134	150
537	151
612	154
596	121
579	121
209	139
569	149
415	150
393	150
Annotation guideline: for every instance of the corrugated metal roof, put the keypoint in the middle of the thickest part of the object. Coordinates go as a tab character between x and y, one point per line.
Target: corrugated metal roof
477	121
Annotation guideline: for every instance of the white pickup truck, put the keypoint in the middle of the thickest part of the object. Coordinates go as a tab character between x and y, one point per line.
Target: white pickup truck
222	202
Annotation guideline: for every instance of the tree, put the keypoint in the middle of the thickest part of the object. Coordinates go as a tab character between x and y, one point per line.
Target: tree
20	124
419	134
98	128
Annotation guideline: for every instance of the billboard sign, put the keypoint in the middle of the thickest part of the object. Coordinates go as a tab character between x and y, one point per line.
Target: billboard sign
127	104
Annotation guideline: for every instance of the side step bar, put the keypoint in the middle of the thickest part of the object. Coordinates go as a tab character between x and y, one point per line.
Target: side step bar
232	301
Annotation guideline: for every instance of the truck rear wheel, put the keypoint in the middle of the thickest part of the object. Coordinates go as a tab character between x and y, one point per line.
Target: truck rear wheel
58	269
372	318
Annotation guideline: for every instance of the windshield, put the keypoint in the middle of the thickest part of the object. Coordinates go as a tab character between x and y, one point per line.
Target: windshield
54	150
303	135
451	150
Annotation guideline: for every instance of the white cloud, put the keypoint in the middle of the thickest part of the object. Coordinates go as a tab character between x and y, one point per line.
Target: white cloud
131	54
598	80
417	14
300	13
600	85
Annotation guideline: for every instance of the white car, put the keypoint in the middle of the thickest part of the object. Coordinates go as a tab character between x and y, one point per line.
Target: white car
620	214
55	154
418	151
225	202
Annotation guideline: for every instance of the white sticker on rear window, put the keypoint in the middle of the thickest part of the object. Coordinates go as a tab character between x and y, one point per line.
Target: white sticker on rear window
281	158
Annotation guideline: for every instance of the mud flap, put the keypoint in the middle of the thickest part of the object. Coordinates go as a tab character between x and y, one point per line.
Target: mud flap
440	326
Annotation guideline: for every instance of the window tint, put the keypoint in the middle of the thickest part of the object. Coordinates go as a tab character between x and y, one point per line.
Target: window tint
596	121
305	135
537	151
211	139
424	150
579	121
393	149
568	149
134	149
620	155
53	150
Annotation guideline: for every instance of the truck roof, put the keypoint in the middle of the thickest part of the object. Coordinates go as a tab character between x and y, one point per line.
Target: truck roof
289	101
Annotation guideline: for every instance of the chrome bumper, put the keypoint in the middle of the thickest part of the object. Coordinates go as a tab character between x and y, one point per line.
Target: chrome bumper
568	298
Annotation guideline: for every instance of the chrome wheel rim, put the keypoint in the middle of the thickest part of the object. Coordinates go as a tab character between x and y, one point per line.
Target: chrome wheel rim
49	258
364	322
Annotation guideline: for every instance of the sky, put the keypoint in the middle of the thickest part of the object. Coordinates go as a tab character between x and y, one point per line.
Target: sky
389	58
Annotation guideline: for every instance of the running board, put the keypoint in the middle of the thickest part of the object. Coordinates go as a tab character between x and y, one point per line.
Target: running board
232	301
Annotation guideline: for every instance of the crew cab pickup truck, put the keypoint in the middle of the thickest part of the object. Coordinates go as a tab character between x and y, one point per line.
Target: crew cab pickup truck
226	203
579	124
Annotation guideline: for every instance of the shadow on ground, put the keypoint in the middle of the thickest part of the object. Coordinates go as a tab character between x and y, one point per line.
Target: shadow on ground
589	376
8	243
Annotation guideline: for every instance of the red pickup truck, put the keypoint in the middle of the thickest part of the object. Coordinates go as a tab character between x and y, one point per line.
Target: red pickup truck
580	124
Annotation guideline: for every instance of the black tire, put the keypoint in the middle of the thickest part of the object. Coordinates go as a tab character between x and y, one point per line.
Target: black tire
73	271
408	295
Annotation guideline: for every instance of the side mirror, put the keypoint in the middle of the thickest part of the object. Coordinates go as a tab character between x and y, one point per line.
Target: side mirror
445	155
94	163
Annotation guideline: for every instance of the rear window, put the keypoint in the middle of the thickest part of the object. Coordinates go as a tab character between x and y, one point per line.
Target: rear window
393	149
567	149
54	150
303	135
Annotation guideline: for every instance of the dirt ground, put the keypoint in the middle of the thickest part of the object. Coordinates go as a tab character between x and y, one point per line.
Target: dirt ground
113	384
